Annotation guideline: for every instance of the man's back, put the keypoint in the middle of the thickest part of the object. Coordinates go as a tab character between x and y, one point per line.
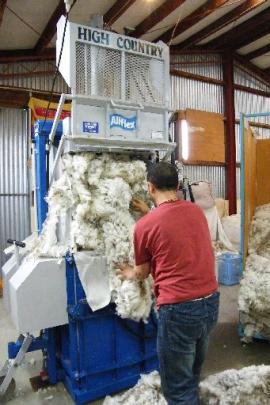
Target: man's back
175	237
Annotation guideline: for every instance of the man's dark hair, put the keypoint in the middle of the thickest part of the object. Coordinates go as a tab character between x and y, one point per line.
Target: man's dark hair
163	175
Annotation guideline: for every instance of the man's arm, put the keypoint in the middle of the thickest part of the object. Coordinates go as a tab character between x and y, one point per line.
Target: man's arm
127	272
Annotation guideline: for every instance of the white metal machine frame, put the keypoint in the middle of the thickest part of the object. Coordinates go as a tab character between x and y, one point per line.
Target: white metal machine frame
120	92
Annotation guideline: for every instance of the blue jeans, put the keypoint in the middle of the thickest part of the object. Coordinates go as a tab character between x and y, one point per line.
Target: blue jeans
183	334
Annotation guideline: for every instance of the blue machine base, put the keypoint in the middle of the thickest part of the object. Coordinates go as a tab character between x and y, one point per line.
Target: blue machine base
83	396
96	353
100	353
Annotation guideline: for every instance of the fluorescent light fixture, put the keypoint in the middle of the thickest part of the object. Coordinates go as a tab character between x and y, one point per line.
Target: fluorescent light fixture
185	145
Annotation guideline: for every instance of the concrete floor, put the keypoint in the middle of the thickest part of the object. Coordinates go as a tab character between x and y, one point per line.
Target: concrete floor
225	352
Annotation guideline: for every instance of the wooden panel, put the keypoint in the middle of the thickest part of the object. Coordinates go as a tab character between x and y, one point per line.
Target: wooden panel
250	182
206	136
263	172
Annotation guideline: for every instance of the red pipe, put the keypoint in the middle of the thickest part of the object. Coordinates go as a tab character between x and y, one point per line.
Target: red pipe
230	149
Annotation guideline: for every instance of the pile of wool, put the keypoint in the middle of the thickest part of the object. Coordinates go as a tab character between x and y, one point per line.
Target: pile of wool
254	297
93	196
248	386
60	199
254	300
133	299
259	238
146	392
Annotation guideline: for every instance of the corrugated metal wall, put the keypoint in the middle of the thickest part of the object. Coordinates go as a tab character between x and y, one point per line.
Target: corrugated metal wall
214	174
245	79
187	93
32	75
14	188
205	65
249	103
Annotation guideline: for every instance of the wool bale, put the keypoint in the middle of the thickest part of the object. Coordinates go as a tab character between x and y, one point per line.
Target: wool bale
203	194
231	226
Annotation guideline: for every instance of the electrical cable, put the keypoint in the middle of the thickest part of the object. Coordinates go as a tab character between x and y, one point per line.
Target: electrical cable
57	67
47	157
174	28
23	21
198	17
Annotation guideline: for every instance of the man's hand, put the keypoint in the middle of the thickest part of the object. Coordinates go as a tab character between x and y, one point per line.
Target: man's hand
127	272
139	205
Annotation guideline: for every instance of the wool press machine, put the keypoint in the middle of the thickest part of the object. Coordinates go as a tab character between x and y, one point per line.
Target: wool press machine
120	95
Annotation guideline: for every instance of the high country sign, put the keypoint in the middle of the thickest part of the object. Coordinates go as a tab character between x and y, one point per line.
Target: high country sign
109	39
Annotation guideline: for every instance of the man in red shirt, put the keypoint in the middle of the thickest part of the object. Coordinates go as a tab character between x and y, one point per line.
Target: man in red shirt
173	243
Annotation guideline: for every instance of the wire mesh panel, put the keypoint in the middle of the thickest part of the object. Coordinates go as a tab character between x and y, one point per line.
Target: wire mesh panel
107	75
80	69
144	79
98	71
88	68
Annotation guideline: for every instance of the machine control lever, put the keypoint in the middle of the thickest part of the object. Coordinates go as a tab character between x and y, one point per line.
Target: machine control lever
16	243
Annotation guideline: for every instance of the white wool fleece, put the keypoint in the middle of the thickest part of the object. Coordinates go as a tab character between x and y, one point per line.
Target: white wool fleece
248	386
146	392
254	298
95	192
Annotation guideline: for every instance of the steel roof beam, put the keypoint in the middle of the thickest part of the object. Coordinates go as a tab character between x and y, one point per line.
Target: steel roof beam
116	11
156	16
50	29
203	11
260	73
258	52
222	22
245	33
3	4
20	55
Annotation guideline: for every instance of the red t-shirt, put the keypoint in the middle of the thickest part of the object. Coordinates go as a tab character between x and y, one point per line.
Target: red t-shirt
175	238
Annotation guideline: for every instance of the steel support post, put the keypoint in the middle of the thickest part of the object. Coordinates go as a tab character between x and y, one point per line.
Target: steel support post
230	147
